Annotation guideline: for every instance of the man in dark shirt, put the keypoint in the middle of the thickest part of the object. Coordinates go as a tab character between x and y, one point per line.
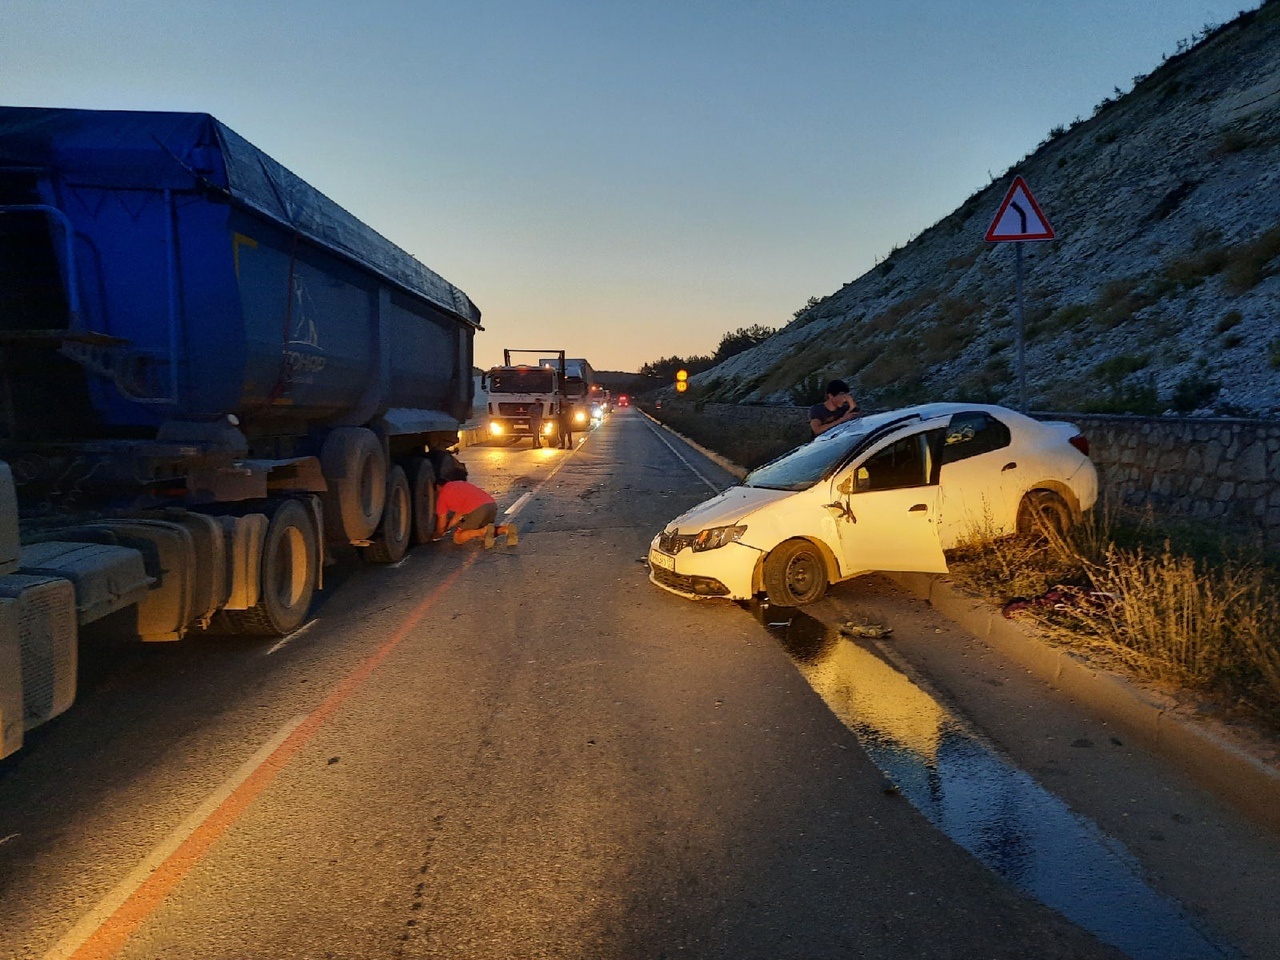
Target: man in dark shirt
839	407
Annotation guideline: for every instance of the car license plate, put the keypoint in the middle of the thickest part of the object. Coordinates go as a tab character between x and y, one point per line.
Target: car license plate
662	561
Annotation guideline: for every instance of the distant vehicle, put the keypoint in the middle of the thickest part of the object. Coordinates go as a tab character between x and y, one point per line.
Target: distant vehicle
624	400
579	389
526	400
888	491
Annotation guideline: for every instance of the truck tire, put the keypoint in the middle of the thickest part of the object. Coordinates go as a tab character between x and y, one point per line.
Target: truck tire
391	540
290	562
422	491
355	468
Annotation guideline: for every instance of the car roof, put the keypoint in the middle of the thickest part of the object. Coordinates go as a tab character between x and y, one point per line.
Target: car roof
884	422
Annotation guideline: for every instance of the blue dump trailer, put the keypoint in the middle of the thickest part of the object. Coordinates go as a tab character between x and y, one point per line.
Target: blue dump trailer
212	377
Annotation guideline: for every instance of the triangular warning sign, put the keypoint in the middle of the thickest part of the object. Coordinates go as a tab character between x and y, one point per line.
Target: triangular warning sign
1020	217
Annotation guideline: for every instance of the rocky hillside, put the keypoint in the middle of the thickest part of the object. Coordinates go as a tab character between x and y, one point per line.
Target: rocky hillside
1161	291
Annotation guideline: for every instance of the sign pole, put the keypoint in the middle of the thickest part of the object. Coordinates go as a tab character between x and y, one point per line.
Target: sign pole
1022	333
1020	218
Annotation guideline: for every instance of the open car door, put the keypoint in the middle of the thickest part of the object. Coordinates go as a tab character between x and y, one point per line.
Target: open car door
886	507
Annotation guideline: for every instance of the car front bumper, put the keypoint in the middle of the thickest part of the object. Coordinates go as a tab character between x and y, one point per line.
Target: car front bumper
727	572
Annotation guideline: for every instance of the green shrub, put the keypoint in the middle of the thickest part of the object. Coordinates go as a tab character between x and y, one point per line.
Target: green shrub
1194	392
1233	141
808	391
1114	369
1188	272
1119	300
1232	319
1071	316
998	346
899	360
1248	264
964	261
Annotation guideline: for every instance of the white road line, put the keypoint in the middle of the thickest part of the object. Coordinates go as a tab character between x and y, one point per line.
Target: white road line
12	836
297	633
109	904
692	469
515	508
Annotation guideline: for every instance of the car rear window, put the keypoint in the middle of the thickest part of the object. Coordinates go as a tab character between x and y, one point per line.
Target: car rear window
972	433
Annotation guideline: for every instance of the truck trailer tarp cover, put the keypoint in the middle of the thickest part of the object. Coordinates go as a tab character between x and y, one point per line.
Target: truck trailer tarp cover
189	151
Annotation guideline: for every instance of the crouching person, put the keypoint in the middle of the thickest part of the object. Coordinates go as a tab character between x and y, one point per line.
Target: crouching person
470	513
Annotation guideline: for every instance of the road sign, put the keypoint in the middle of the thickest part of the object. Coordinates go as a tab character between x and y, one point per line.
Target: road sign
1020	217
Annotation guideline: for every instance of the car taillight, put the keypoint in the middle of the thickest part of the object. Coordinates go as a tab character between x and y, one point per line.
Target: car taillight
1081	443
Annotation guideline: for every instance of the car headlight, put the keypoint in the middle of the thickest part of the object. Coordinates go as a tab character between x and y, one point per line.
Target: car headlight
495	428
714	537
580	417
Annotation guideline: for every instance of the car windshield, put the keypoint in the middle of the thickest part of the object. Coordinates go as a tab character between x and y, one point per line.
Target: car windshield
806	465
532	380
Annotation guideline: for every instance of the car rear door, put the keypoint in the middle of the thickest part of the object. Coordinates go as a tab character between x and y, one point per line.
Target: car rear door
980	479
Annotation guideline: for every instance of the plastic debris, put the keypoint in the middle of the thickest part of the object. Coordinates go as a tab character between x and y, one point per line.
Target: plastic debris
871	630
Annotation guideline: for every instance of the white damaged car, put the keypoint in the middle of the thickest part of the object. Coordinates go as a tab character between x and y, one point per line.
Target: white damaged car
889	491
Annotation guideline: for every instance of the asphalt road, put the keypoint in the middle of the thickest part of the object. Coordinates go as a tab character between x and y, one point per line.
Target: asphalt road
523	752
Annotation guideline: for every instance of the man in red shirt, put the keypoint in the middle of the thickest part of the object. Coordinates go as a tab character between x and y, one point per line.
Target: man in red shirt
470	513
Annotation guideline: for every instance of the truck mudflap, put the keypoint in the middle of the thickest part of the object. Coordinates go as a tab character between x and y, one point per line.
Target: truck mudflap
244	536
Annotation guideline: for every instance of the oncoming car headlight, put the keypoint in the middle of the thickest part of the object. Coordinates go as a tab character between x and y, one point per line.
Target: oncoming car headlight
580	417
714	537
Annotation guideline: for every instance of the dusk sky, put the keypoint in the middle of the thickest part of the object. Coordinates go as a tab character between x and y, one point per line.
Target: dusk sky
624	180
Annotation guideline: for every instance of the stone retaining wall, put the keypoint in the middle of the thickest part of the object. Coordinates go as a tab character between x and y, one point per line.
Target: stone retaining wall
1199	469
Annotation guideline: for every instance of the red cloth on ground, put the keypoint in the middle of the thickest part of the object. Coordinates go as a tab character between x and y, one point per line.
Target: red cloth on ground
458	497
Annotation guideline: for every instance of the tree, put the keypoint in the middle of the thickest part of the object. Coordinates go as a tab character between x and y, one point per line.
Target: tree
809	305
744	338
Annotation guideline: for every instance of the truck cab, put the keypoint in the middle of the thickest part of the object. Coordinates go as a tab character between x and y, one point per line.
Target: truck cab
524	402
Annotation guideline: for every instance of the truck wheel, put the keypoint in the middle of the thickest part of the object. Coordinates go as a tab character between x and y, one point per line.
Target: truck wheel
794	574
391	541
290	561
356	471
422	492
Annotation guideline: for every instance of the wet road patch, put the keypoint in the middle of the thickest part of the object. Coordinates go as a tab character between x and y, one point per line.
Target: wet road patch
978	798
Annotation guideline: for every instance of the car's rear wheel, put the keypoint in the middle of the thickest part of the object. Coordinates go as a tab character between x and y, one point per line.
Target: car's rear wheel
1043	513
794	574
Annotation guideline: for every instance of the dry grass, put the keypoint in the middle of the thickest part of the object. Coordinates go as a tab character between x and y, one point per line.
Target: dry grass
1206	622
